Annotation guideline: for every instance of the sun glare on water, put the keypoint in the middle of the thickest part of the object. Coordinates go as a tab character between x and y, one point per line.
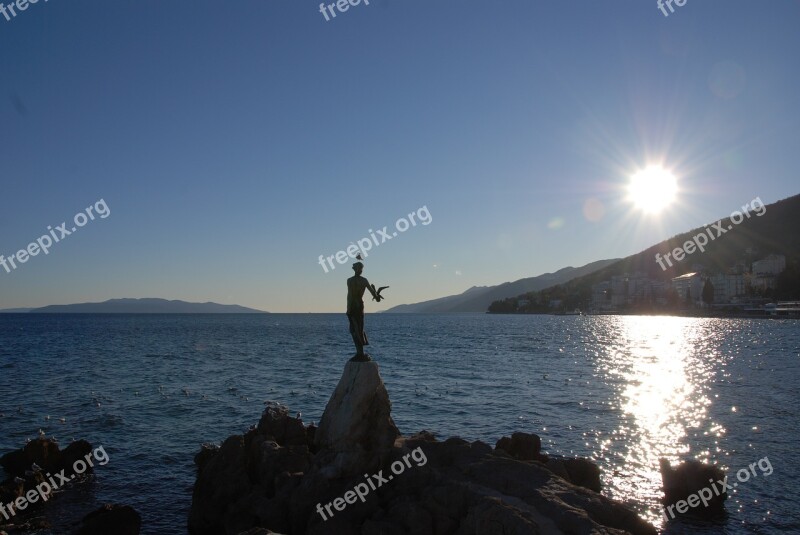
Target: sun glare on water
652	189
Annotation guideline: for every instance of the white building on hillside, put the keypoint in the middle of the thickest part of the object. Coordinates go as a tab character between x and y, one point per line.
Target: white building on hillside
690	284
727	287
770	266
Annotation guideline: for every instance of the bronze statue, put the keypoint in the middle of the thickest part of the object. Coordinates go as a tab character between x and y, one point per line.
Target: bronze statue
355	309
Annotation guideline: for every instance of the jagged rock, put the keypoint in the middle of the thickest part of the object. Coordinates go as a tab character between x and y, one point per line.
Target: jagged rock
45	453
584	473
111	519
77	450
688	479
221	482
578	471
206	453
285	430
522	446
426	486
23	478
372	527
527	447
357	426
32	525
42	451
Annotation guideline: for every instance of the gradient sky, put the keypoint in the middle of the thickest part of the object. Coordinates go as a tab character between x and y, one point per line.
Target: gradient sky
235	142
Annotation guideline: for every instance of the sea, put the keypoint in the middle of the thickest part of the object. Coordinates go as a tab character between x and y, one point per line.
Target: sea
624	391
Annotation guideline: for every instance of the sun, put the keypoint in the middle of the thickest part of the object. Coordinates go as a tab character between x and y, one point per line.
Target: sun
652	189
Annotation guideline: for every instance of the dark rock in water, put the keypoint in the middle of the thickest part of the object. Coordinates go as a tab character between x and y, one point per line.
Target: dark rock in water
206	453
695	487
45	453
365	478
78	450
27	469
222	482
34	524
111	519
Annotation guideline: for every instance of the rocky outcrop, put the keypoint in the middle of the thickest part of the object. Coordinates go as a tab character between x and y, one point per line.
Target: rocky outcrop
699	486
527	447
357	475
29	472
356	432
522	446
35	471
111	518
45	453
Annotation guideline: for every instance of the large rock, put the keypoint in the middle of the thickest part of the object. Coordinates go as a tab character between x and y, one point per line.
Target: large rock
527	447
522	446
356	432
111	519
28	467
690	479
247	481
269	481
578	471
47	455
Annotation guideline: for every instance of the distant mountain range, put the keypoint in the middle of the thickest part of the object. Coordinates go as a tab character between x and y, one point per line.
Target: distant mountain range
478	298
140	306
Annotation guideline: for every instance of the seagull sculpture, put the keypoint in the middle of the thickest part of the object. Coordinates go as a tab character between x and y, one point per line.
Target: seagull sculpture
378	292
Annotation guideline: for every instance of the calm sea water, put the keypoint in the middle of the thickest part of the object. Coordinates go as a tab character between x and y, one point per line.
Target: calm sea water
622	390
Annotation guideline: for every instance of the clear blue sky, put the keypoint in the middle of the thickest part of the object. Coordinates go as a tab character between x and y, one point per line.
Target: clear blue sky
235	142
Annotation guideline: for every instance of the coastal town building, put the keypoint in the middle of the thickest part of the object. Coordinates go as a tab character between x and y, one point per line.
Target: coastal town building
766	271
689	286
728	288
770	266
738	285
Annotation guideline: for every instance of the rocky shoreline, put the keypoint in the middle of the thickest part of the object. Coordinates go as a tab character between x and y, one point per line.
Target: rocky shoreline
356	474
